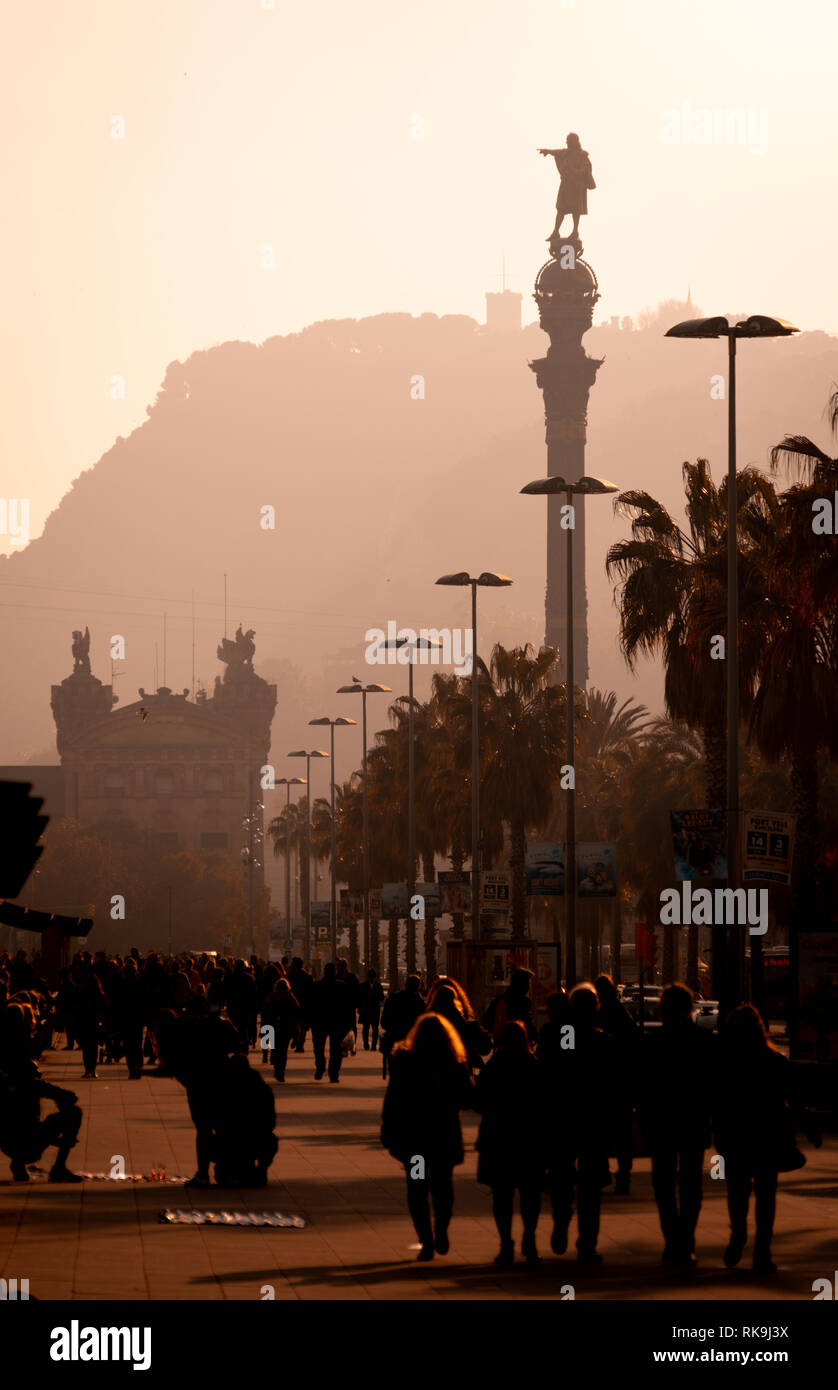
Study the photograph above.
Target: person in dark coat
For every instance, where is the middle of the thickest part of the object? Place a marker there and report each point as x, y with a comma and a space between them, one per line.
201, 1041
678, 1080
240, 998
756, 1114
513, 1005
264, 988
332, 1017
369, 1009
511, 1142
399, 1015
129, 1011
580, 1084
353, 986
243, 1116
281, 1011
614, 1020
452, 1003
420, 1123
88, 1017
302, 984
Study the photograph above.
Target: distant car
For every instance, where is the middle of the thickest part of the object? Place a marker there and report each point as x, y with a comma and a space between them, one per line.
706, 1014
651, 1005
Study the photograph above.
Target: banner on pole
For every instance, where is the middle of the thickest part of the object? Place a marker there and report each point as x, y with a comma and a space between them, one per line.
454, 891
545, 869
698, 842
596, 869
769, 846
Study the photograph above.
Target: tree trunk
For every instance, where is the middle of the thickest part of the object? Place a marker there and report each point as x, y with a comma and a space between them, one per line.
458, 929
715, 784
429, 876
517, 867
804, 784
617, 941
393, 955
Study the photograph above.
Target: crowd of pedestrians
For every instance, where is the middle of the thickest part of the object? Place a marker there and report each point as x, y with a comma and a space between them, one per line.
555, 1103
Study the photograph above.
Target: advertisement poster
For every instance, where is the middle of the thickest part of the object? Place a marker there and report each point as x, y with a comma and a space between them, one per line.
698, 842
494, 891
433, 898
547, 973
769, 846
545, 869
596, 869
818, 996
394, 900
455, 892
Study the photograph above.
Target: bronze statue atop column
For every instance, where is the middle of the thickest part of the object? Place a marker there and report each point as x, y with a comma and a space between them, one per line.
576, 177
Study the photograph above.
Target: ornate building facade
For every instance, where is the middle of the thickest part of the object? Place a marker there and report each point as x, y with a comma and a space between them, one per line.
183, 773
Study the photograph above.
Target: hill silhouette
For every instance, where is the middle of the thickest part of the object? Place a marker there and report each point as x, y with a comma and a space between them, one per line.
376, 494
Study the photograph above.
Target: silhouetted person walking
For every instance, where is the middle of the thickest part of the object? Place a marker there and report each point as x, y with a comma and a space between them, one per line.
129, 1016
420, 1123
302, 984
88, 1018
281, 1011
332, 1017
241, 1001
369, 1010
756, 1115
678, 1082
511, 1141
511, 1006
581, 1086
399, 1015
614, 1020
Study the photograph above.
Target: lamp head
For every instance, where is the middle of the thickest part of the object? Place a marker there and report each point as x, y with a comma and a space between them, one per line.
489, 580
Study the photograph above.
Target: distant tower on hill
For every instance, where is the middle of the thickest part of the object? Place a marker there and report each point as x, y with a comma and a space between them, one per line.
503, 310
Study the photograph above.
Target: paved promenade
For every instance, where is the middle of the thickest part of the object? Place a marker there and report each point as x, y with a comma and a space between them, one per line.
103, 1239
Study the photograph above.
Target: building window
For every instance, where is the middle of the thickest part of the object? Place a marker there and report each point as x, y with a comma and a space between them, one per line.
164, 784
214, 839
114, 784
213, 780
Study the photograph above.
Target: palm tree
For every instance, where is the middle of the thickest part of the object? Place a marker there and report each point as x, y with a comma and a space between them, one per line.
521, 743
293, 821
672, 598
610, 741
794, 705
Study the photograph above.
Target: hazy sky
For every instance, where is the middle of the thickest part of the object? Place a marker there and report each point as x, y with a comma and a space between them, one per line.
249, 126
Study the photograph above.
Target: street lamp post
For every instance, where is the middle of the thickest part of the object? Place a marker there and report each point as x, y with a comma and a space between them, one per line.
315, 753
731, 986
288, 783
364, 690
491, 581
411, 647
584, 487
333, 912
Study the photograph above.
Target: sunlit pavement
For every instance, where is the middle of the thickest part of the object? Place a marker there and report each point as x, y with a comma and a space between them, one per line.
104, 1240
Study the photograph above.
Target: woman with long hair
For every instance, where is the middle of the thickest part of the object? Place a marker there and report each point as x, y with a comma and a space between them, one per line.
755, 1121
448, 999
420, 1124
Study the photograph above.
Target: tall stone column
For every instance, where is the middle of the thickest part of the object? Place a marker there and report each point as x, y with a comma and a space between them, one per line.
566, 292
